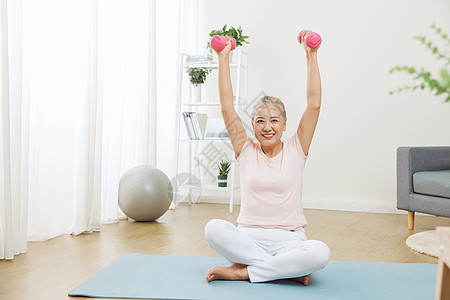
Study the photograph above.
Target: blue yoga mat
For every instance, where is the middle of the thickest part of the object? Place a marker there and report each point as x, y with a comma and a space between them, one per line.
140, 276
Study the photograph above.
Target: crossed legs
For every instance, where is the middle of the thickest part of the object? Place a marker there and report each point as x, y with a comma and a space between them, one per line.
259, 254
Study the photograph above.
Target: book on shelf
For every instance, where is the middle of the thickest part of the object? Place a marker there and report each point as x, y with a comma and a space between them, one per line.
195, 124
199, 58
202, 120
187, 122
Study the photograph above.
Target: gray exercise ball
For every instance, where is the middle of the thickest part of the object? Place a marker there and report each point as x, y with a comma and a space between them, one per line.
145, 193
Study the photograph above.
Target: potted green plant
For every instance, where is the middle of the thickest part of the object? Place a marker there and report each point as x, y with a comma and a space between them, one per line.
197, 76
423, 79
224, 168
234, 32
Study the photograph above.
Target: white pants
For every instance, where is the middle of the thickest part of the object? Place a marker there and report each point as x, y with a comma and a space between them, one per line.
270, 254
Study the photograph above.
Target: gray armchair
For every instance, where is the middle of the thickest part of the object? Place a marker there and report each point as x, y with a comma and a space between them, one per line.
423, 181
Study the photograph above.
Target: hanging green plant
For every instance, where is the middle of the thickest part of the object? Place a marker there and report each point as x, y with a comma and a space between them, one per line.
423, 78
197, 75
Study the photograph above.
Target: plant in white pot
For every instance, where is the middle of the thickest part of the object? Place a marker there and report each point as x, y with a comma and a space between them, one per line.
224, 168
197, 77
423, 78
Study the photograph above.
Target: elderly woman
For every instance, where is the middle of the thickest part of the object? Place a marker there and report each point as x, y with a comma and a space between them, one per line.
270, 242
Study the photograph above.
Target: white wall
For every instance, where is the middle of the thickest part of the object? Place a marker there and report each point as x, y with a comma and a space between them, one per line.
352, 161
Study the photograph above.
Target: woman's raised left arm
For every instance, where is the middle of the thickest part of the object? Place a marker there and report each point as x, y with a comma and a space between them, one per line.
310, 116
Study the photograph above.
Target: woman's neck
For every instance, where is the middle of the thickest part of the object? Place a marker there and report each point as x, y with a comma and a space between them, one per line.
272, 151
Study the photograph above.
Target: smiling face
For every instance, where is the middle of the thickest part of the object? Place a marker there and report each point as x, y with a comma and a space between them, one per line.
269, 124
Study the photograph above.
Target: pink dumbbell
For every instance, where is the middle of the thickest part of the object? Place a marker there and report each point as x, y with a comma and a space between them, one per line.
218, 42
312, 39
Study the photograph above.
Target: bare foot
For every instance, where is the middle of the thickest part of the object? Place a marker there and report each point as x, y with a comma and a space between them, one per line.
304, 279
234, 272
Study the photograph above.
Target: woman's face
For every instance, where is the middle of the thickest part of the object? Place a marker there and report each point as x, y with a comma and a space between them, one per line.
268, 125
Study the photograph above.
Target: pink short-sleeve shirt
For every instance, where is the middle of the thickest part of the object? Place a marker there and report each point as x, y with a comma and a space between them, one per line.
271, 188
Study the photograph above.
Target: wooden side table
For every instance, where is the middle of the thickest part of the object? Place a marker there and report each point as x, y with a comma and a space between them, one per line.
443, 275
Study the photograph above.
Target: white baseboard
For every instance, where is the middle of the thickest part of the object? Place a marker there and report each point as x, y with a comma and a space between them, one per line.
322, 204
352, 206
219, 200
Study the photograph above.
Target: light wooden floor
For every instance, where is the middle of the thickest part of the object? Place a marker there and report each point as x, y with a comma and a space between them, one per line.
50, 269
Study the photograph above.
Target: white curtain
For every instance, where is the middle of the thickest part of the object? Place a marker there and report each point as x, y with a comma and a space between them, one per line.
14, 134
93, 96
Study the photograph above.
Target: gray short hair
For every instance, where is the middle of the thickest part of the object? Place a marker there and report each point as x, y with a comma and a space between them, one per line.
264, 100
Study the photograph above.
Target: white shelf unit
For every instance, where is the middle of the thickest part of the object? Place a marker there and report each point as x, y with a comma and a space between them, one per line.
240, 97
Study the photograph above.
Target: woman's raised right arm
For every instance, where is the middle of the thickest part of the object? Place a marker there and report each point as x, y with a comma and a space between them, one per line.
233, 123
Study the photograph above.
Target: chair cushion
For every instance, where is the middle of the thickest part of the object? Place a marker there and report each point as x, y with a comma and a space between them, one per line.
433, 183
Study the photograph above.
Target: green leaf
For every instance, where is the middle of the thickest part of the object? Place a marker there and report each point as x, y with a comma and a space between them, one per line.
439, 92
235, 33
433, 84
424, 78
197, 75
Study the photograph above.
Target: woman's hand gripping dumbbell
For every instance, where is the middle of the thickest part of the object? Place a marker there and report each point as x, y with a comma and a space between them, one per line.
312, 39
218, 42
